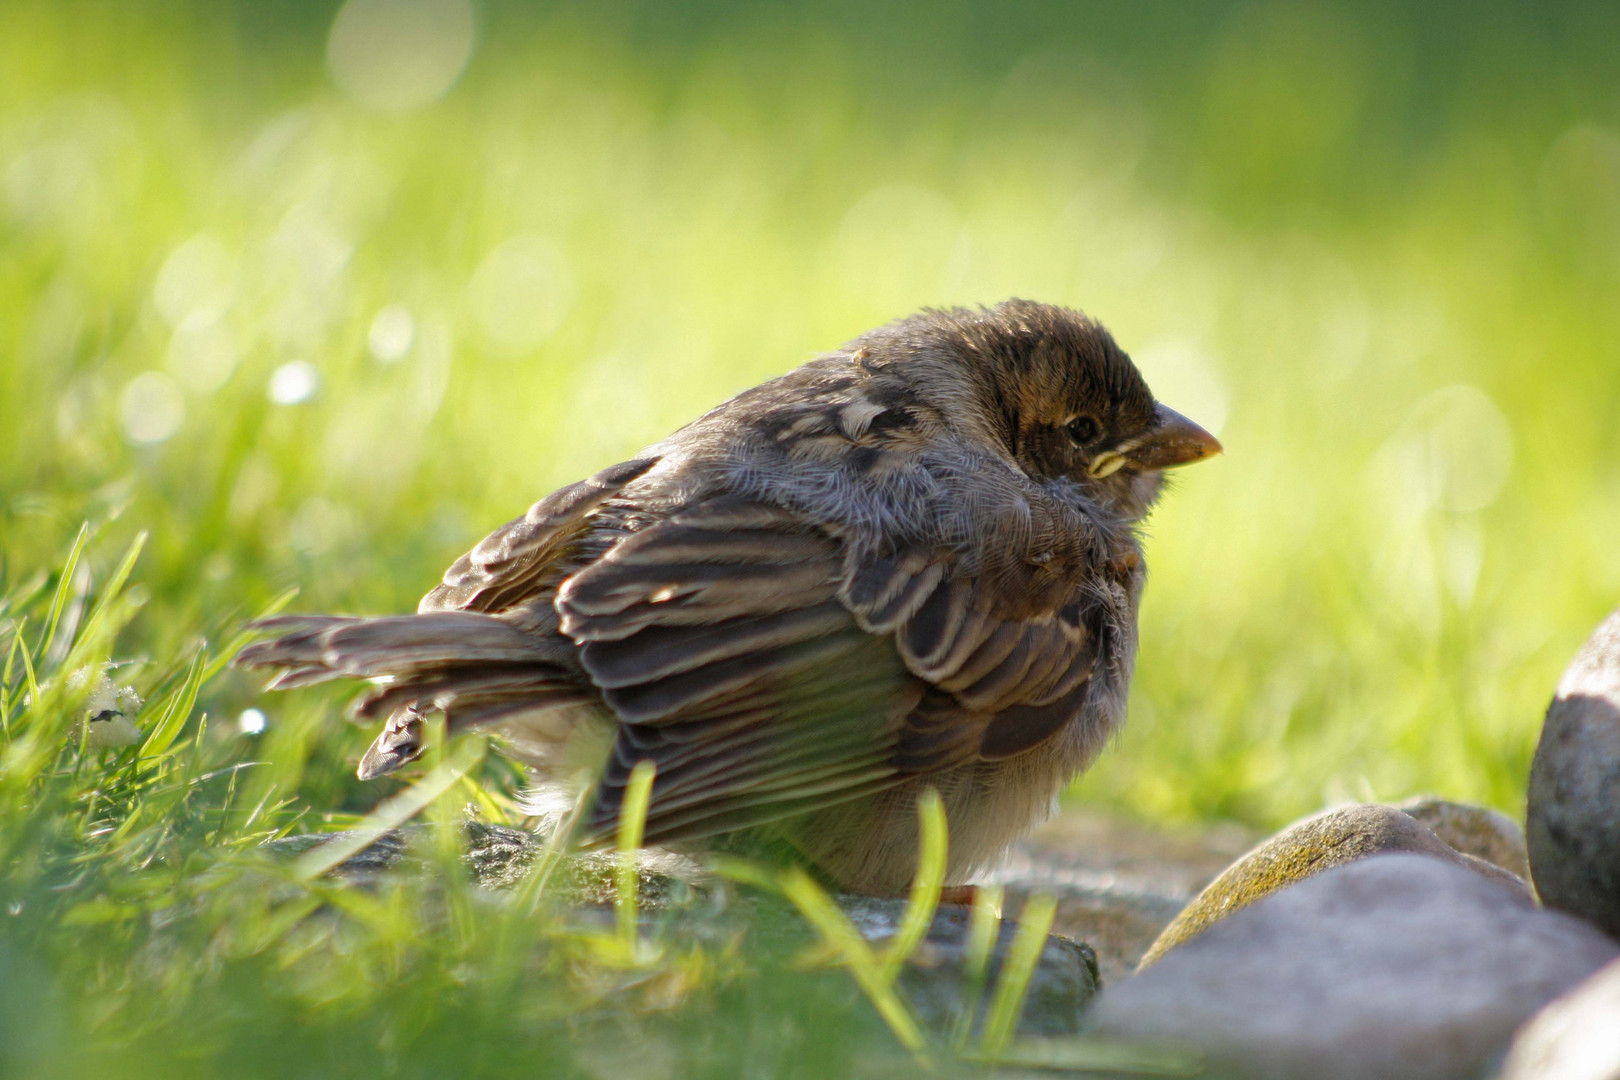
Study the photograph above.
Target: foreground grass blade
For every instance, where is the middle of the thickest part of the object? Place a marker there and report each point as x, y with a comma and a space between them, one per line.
558, 843
391, 813
632, 823
840, 934
925, 888
237, 643
984, 927
1034, 925
104, 619
176, 711
64, 585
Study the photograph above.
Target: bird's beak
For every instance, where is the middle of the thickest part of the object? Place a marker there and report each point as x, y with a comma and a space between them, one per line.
1171, 440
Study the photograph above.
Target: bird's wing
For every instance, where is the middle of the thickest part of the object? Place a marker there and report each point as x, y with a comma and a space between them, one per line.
718, 639
507, 565
765, 673
1007, 656
483, 645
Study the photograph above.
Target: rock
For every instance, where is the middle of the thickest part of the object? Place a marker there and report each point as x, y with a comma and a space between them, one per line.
1473, 830
1117, 883
1573, 819
1576, 1037
1396, 965
1309, 847
1062, 986
388, 851
497, 857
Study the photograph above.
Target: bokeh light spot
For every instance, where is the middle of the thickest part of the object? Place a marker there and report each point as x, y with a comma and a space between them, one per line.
1453, 452
197, 280
392, 334
399, 55
251, 722
294, 382
151, 408
203, 353
1579, 188
521, 293
320, 525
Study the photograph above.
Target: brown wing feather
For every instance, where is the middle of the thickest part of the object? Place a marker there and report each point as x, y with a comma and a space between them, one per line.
506, 565
762, 667
483, 646
758, 666
718, 639
1002, 685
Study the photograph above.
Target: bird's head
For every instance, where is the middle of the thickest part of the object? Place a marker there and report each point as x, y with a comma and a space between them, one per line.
1048, 388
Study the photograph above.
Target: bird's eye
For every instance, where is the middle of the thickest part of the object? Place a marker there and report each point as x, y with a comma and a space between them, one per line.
1082, 429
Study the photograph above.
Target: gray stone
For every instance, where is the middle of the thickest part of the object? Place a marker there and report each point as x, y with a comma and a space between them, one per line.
1395, 965
1576, 1037
1060, 989
1573, 820
1117, 883
1061, 986
1330, 839
497, 856
1473, 830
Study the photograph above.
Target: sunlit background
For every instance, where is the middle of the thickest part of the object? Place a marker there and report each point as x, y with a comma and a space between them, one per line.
319, 293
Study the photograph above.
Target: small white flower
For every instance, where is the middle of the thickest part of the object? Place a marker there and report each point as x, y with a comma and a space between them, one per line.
106, 724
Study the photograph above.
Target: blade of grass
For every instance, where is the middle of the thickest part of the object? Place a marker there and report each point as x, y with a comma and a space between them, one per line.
5, 677
242, 637
390, 813
1034, 925
925, 888
64, 583
834, 926
88, 633
176, 711
744, 872
984, 927
632, 823
557, 845
30, 679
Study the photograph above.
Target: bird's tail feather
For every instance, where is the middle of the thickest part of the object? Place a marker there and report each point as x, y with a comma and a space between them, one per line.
479, 669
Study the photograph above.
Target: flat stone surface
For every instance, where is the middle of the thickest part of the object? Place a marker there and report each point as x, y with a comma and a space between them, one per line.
1319, 843
1576, 1037
1395, 965
496, 856
1062, 986
1573, 819
1118, 883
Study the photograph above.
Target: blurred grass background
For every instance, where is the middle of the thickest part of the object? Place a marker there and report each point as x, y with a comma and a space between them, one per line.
315, 294
319, 297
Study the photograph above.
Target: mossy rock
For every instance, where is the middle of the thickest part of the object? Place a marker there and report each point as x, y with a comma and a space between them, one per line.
1327, 840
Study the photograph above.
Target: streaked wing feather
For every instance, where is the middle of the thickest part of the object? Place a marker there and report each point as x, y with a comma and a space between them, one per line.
507, 564
992, 644
739, 674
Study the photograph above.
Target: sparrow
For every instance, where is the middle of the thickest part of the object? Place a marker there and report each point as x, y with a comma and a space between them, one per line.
912, 562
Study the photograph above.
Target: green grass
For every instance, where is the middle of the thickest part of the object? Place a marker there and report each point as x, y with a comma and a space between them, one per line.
1379, 247
141, 911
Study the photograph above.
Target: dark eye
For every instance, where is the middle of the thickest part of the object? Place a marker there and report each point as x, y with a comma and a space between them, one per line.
1082, 429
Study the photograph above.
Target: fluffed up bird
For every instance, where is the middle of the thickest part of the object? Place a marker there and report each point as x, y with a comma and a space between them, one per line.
912, 562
